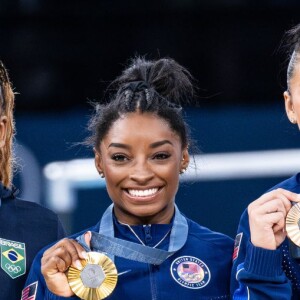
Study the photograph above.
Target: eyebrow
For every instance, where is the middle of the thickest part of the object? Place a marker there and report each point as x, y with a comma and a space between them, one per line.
160, 143
119, 145
153, 145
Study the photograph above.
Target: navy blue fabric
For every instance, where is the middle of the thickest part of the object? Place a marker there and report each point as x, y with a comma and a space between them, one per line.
29, 223
266, 274
147, 282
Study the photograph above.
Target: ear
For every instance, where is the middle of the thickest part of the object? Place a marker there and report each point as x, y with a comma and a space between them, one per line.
185, 159
289, 108
3, 130
98, 161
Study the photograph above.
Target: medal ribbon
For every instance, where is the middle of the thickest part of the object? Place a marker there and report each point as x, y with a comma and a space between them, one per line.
104, 241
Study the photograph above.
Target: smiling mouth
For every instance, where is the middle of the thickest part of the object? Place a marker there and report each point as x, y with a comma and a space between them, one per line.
142, 193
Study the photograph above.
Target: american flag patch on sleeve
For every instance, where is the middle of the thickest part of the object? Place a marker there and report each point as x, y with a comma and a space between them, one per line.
29, 292
237, 243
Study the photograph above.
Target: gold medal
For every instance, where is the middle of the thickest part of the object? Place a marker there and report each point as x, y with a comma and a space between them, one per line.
292, 224
96, 280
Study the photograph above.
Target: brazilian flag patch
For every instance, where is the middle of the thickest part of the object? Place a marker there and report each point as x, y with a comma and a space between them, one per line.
13, 258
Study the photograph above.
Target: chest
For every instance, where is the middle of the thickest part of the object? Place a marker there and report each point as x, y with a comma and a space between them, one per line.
190, 273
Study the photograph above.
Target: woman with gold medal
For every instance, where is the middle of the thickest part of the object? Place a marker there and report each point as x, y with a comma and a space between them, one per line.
268, 236
142, 247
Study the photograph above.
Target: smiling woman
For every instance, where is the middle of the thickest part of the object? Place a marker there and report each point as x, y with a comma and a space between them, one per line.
141, 169
140, 141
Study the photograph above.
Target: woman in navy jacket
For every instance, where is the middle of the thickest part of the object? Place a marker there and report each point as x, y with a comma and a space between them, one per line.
140, 142
25, 227
265, 263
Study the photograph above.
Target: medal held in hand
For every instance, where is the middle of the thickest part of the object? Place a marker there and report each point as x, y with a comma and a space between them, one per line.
96, 280
292, 224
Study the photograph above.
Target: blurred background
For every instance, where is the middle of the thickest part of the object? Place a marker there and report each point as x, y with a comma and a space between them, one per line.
62, 54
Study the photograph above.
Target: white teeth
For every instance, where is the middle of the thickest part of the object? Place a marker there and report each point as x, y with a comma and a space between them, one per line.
144, 193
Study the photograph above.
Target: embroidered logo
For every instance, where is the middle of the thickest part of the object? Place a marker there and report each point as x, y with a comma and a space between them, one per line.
190, 272
13, 258
237, 243
29, 292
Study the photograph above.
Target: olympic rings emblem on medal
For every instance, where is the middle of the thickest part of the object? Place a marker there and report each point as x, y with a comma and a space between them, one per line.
12, 268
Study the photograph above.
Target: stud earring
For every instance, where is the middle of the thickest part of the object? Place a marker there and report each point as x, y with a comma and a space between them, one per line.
101, 174
182, 171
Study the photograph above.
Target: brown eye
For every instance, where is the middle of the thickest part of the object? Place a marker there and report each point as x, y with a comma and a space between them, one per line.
162, 156
119, 157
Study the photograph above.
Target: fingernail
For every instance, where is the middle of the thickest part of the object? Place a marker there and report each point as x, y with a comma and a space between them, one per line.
78, 264
84, 254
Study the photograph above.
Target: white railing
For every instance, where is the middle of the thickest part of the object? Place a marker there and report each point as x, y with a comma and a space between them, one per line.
64, 178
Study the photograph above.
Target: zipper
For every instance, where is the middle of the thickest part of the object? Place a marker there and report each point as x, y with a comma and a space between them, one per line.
153, 285
147, 231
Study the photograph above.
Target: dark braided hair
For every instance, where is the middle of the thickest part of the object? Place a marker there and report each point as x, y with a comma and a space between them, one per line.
7, 100
293, 45
159, 87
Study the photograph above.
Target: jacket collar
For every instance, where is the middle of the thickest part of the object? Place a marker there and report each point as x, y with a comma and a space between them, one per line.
7, 193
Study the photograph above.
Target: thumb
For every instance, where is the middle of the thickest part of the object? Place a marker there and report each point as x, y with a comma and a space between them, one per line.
87, 238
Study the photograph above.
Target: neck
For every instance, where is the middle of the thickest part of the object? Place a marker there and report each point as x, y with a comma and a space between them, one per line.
125, 218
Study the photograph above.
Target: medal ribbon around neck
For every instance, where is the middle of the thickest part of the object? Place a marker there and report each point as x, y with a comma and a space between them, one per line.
105, 242
98, 278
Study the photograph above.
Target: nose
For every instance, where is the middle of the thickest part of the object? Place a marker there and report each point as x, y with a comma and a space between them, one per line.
141, 172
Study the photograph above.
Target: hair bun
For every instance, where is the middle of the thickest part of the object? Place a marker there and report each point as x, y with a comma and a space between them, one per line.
168, 78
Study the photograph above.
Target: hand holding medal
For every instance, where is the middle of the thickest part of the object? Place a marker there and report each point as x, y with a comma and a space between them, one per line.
293, 224
267, 218
56, 261
96, 280
69, 270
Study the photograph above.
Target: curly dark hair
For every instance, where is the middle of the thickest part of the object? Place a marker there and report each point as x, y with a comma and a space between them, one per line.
159, 87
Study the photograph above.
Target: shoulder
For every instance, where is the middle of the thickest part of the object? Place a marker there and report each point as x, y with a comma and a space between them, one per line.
28, 205
31, 223
244, 220
292, 184
28, 210
210, 237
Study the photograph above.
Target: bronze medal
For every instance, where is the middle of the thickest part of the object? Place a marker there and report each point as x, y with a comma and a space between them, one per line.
96, 280
292, 224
